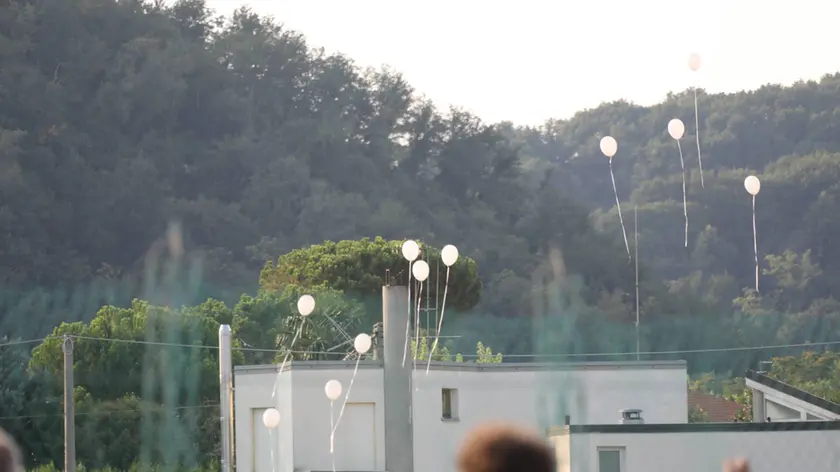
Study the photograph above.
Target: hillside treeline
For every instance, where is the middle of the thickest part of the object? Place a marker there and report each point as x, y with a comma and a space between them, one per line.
119, 118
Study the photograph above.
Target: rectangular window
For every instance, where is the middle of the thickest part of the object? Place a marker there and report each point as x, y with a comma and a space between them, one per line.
610, 459
449, 404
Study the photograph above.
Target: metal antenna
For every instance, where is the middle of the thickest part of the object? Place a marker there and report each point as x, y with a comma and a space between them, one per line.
428, 306
437, 291
636, 248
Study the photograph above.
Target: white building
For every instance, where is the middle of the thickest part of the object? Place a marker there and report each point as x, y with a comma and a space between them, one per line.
401, 420
777, 401
703, 447
447, 403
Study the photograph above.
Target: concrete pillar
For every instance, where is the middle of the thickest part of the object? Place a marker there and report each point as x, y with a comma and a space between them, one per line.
759, 415
399, 441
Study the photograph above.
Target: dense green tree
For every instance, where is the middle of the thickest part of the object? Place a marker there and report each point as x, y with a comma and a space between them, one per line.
270, 322
362, 267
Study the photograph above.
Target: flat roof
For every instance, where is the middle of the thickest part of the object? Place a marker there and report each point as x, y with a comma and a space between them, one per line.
792, 391
695, 428
469, 366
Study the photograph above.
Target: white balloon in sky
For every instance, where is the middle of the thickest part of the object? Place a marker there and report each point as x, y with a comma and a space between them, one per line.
609, 146
449, 254
753, 185
306, 305
694, 62
333, 389
362, 343
676, 128
420, 270
271, 418
410, 250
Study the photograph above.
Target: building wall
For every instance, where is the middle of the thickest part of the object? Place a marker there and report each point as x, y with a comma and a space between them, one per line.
533, 396
562, 452
589, 393
255, 446
360, 437
781, 407
777, 412
302, 441
767, 451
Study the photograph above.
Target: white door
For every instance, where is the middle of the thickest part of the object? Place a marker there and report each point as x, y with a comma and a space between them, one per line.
355, 438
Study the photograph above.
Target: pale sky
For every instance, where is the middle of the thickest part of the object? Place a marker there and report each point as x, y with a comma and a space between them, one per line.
529, 60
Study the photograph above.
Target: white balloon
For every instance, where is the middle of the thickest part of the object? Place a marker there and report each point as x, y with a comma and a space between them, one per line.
609, 146
449, 254
306, 305
694, 61
333, 389
753, 185
362, 343
271, 418
410, 250
676, 128
420, 270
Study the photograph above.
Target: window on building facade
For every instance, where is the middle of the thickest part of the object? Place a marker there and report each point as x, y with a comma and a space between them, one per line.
449, 404
610, 459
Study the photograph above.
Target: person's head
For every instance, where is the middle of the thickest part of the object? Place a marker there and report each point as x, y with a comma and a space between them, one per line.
736, 465
10, 458
502, 448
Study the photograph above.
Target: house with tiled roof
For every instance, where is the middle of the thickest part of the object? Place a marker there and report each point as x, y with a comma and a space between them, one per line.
716, 408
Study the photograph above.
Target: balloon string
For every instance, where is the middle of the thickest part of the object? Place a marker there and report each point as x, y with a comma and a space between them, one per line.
286, 357
620, 218
417, 327
332, 426
697, 136
440, 321
271, 449
755, 243
408, 317
346, 396
685, 204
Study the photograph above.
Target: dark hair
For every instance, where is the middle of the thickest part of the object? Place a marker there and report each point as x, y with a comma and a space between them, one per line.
10, 458
501, 448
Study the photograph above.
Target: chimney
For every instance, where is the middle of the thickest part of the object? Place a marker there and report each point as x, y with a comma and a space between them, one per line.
631, 416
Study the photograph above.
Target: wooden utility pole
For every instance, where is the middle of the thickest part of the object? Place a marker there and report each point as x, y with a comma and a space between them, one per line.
69, 407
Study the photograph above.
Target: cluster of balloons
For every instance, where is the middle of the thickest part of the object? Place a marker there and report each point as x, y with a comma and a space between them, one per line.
676, 129
333, 389
419, 269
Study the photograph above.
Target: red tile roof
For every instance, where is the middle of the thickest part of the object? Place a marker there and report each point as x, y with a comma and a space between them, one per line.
718, 409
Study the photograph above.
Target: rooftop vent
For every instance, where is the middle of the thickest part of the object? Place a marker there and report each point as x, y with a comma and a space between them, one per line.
631, 416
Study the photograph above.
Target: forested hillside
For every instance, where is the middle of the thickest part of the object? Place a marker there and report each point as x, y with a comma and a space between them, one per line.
118, 118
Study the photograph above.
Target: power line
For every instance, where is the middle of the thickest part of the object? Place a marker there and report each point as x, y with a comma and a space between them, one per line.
18, 343
594, 354
685, 351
